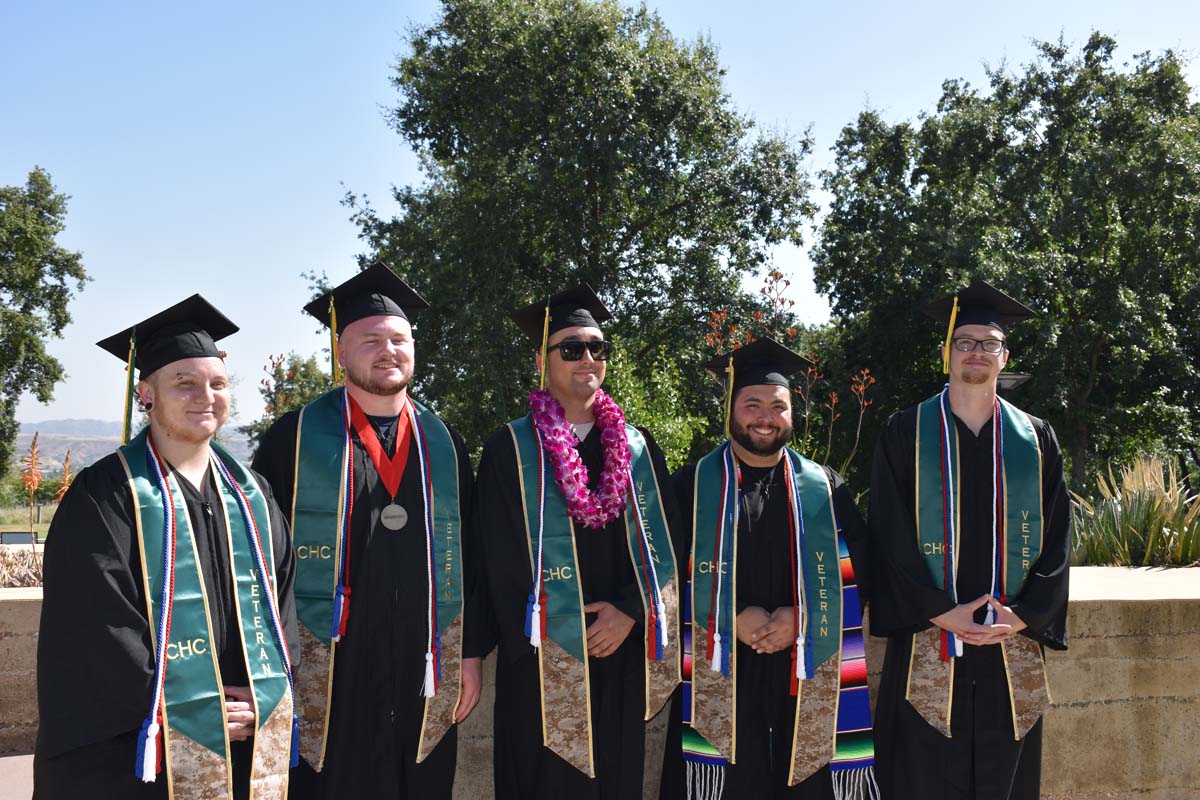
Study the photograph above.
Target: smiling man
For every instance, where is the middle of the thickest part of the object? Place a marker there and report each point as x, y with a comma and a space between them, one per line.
969, 525
776, 700
168, 629
576, 529
392, 622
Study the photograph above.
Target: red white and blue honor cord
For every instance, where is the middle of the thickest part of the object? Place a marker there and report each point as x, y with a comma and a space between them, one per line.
341, 597
802, 654
535, 606
149, 744
658, 612
433, 649
268, 590
952, 647
720, 646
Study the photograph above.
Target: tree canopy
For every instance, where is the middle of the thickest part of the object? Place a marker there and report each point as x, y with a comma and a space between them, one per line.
38, 278
1073, 184
567, 141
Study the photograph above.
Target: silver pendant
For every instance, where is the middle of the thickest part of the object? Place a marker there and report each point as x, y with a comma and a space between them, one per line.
393, 516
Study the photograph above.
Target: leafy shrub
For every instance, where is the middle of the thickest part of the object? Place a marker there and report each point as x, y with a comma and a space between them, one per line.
1144, 518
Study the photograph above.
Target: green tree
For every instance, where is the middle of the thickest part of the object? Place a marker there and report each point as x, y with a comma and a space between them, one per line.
38, 278
567, 141
291, 382
1075, 184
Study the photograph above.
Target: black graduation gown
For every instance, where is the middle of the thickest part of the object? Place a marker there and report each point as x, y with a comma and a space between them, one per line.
95, 666
766, 711
981, 759
377, 707
524, 768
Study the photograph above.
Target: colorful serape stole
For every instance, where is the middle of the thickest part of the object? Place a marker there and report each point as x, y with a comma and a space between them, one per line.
854, 745
705, 766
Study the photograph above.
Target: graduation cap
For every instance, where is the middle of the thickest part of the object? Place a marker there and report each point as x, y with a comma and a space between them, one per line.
763, 362
374, 292
574, 308
189, 329
977, 304
578, 307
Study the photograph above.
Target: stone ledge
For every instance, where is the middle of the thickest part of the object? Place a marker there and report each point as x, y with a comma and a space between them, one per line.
1123, 725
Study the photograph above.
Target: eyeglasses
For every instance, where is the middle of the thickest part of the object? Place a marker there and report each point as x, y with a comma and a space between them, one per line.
965, 344
572, 349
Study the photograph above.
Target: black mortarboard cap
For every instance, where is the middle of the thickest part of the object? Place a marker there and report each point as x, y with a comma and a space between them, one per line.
577, 307
979, 304
189, 329
374, 292
763, 361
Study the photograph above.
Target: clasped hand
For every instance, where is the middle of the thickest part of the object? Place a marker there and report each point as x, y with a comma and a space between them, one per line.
767, 632
960, 621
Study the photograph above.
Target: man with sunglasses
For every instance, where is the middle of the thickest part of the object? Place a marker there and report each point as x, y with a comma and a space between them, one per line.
575, 511
969, 520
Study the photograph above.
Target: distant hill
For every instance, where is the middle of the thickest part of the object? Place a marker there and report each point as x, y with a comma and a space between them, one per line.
91, 440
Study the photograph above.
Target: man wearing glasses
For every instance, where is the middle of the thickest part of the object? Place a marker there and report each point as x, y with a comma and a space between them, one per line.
575, 511
969, 521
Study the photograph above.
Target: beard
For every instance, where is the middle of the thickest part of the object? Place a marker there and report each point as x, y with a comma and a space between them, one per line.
366, 381
742, 435
976, 375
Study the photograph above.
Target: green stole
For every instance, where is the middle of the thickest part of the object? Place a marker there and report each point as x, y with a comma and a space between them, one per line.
1020, 524
562, 655
323, 451
715, 508
196, 741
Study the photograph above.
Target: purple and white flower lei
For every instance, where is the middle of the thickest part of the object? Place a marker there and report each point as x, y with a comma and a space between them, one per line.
593, 509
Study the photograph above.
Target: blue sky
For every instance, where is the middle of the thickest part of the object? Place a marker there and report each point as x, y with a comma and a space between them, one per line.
206, 146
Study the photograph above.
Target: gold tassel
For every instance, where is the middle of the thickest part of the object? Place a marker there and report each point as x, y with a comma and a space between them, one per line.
729, 396
127, 416
949, 336
335, 370
545, 339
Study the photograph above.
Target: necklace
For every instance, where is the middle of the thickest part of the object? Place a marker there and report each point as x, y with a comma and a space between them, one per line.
593, 509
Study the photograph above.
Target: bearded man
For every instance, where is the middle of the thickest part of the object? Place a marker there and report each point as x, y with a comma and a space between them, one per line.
774, 703
379, 491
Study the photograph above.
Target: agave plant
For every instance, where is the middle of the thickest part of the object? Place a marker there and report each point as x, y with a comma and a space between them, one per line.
1143, 518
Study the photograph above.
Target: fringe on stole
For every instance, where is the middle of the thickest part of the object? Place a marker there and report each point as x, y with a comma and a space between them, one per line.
705, 781
855, 784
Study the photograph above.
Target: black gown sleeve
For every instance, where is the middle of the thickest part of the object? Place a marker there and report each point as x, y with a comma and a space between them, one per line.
1042, 604
854, 531
500, 527
904, 597
629, 596
683, 483
95, 667
275, 459
479, 624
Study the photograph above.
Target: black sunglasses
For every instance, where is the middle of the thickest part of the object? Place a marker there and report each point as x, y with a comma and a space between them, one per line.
572, 349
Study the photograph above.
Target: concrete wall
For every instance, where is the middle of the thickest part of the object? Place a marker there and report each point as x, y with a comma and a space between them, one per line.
19, 613
1124, 725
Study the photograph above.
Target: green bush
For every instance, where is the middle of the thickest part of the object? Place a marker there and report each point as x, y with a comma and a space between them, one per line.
1144, 518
